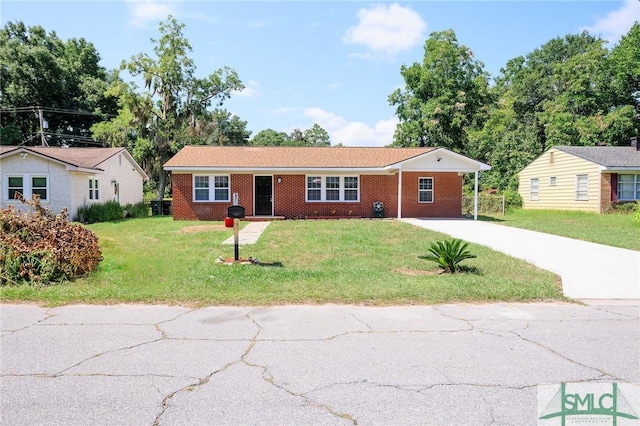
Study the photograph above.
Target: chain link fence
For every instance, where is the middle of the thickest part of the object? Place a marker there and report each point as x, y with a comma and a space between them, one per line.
487, 204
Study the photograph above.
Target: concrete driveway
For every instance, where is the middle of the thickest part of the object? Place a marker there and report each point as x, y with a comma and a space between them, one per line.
588, 270
293, 365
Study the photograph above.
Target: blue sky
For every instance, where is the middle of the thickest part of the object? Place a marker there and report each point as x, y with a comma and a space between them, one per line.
334, 62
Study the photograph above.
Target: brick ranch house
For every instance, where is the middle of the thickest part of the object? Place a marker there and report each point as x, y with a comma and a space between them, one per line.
299, 182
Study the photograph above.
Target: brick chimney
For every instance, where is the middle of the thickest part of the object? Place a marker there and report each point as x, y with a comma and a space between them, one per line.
635, 143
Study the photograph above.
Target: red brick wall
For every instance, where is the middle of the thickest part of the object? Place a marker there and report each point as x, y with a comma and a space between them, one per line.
605, 192
447, 195
289, 197
185, 209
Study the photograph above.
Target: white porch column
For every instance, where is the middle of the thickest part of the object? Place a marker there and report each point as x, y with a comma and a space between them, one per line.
475, 197
400, 192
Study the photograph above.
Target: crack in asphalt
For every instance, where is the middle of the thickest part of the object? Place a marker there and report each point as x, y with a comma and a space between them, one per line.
137, 345
269, 378
198, 382
204, 380
47, 316
555, 352
539, 344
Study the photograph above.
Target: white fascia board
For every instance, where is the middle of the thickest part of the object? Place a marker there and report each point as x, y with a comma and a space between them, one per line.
473, 165
279, 170
71, 168
619, 169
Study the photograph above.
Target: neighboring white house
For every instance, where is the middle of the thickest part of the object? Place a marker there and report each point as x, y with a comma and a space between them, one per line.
69, 177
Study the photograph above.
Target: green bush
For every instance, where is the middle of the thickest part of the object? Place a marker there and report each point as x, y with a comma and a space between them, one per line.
100, 212
448, 254
136, 210
512, 199
41, 247
636, 214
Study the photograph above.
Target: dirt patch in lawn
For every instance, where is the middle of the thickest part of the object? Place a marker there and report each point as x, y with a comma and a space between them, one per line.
202, 228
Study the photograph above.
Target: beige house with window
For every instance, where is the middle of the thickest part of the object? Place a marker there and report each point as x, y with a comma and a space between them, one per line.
69, 177
588, 178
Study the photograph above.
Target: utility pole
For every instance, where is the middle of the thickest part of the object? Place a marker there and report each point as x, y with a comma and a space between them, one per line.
43, 125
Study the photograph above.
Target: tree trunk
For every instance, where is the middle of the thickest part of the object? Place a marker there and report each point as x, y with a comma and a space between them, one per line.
162, 183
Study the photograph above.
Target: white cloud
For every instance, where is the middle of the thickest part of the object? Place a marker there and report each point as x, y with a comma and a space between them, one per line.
353, 133
387, 29
250, 90
617, 22
144, 12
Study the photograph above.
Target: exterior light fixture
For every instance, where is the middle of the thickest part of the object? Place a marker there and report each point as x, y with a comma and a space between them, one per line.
279, 179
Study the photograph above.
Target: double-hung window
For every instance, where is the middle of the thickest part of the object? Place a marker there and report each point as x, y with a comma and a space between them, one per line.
534, 189
582, 187
425, 190
15, 184
211, 188
94, 189
333, 188
628, 187
28, 186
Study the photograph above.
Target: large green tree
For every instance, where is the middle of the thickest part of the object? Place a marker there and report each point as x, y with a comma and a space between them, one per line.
174, 107
444, 95
316, 136
570, 91
270, 137
60, 82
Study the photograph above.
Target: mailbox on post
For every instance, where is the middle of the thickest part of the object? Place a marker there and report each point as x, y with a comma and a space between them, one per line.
235, 212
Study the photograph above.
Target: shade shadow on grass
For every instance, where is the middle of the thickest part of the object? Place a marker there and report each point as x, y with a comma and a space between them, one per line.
270, 264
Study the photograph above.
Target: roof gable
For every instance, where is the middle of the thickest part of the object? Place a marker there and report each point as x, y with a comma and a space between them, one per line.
82, 158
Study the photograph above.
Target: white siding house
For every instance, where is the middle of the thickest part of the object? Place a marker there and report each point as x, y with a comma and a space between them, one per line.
69, 177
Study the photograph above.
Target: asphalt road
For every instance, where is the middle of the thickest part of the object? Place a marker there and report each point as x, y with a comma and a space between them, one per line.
292, 365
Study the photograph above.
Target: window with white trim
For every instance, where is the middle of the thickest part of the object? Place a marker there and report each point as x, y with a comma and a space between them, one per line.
28, 186
425, 190
14, 184
333, 188
582, 187
553, 181
628, 187
94, 189
211, 188
534, 189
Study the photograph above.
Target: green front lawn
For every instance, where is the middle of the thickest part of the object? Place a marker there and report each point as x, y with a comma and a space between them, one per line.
617, 230
158, 260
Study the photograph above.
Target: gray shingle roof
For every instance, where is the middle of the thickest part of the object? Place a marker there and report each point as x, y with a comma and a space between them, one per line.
608, 156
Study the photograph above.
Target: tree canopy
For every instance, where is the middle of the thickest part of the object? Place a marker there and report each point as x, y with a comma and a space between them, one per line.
443, 96
173, 109
313, 136
570, 91
44, 80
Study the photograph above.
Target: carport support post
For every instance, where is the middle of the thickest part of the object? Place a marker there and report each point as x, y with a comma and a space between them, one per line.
236, 248
475, 197
400, 192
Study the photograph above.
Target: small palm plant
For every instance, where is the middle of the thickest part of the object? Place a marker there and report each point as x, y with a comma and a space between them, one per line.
448, 254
